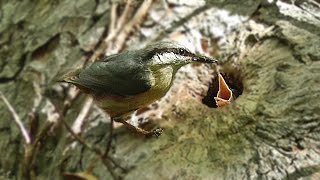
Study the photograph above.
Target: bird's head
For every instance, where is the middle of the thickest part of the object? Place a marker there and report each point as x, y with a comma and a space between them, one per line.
168, 53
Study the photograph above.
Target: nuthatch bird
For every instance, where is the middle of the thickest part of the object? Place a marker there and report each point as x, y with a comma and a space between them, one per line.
130, 80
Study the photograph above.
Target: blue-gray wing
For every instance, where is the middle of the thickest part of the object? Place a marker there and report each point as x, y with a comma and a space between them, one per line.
117, 75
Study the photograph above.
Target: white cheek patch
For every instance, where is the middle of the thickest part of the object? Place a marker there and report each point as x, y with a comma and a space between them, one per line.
168, 58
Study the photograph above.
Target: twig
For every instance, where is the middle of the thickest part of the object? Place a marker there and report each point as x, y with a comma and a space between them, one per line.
76, 127
109, 167
105, 155
38, 99
116, 28
74, 94
113, 17
91, 148
109, 139
116, 164
181, 22
17, 119
127, 11
112, 32
79, 139
135, 22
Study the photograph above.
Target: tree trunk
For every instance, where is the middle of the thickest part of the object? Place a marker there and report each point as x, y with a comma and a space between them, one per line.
271, 131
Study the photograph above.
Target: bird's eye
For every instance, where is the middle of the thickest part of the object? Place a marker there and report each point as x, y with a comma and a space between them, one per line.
183, 51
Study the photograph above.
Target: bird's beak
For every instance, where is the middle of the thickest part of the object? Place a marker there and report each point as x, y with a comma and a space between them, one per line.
224, 95
203, 59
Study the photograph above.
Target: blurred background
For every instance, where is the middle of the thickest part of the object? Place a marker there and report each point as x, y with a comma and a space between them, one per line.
268, 50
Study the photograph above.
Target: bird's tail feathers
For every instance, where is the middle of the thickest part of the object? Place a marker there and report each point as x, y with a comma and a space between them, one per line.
71, 77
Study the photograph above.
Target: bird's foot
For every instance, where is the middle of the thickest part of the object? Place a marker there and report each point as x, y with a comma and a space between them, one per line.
157, 132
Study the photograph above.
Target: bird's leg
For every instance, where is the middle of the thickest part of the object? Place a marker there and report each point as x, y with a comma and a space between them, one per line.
157, 132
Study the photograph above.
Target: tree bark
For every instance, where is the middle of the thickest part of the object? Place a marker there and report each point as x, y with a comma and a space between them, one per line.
271, 131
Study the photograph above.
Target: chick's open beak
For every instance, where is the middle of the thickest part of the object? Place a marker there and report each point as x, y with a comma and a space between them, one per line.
224, 95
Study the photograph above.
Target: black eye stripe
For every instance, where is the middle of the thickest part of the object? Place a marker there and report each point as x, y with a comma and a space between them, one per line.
179, 51
184, 52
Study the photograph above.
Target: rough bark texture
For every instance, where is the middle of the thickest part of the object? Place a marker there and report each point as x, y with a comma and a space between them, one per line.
272, 131
39, 40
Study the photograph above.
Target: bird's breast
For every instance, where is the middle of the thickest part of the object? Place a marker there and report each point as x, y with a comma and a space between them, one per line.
161, 80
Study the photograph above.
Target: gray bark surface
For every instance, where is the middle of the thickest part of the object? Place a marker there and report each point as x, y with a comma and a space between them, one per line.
272, 131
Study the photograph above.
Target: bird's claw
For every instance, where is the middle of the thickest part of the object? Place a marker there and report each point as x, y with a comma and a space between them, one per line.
157, 132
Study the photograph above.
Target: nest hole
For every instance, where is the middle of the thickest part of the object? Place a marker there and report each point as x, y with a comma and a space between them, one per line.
234, 82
